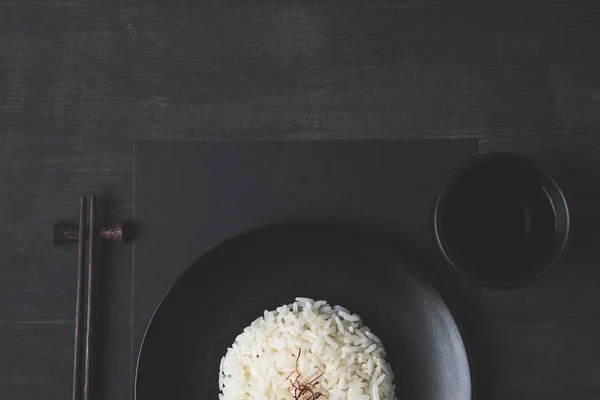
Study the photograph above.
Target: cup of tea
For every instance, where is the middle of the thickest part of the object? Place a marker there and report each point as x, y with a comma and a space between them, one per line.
501, 220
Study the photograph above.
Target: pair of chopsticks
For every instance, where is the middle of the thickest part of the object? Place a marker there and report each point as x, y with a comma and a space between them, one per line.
82, 359
66, 233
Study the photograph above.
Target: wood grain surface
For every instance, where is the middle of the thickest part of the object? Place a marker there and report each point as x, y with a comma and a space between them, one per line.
81, 80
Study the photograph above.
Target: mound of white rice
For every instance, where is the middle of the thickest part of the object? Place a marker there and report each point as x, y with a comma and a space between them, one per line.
306, 350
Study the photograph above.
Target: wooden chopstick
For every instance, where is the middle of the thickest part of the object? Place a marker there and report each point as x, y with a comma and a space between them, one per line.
89, 321
76, 395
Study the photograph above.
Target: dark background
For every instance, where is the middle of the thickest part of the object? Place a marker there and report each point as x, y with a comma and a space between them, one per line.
81, 80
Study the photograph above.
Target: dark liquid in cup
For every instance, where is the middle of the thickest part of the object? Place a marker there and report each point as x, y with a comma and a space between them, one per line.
498, 222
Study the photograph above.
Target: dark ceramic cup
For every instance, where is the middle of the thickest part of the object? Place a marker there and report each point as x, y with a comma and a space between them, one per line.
501, 220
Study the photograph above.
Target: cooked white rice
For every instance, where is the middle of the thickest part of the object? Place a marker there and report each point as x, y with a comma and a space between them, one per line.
306, 345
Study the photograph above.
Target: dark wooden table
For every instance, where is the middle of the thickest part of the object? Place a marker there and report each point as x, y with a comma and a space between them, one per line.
81, 80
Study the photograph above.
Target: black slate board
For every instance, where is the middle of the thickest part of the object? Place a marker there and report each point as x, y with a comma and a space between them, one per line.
190, 197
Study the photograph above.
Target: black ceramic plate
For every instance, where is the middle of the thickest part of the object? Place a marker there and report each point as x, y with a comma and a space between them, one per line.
233, 284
